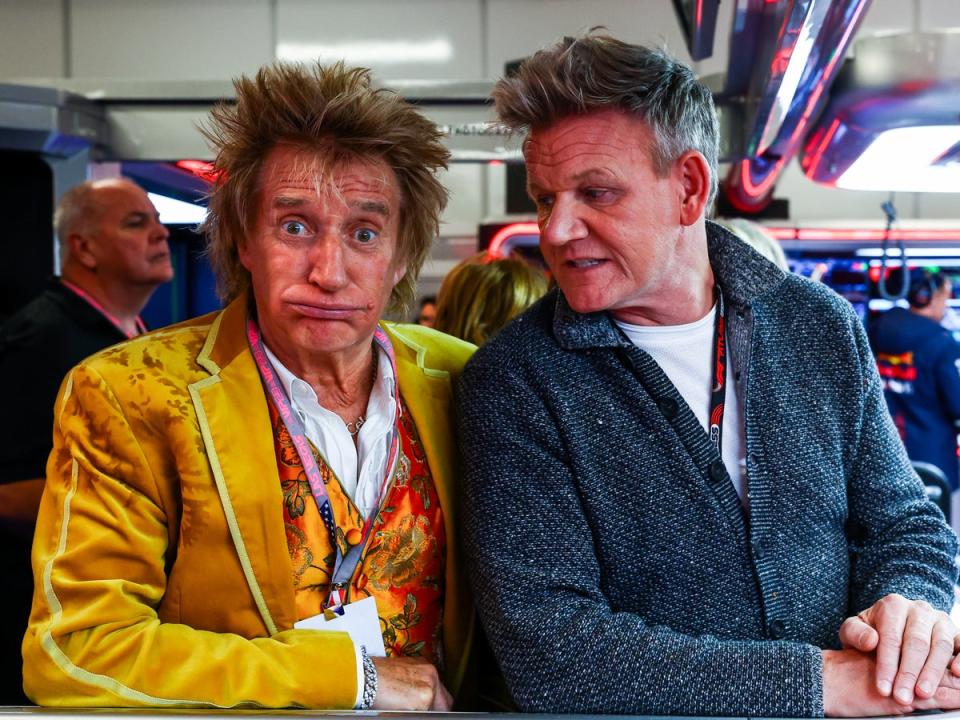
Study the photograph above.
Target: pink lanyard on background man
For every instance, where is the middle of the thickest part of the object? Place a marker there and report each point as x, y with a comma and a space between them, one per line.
344, 565
85, 296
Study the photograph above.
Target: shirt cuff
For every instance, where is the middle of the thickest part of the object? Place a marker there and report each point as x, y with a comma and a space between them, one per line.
360, 678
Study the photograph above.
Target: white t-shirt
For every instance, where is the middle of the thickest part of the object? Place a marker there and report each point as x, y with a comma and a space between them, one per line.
685, 354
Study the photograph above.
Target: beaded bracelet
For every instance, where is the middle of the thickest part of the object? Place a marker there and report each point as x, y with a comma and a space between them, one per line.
369, 680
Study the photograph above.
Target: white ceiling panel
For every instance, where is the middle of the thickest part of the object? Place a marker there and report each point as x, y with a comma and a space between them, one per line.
411, 40
170, 40
31, 42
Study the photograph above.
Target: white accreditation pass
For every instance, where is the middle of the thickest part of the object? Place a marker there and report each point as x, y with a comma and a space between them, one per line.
359, 619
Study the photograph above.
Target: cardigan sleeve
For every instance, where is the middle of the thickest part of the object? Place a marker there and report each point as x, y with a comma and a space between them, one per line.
899, 541
537, 585
100, 562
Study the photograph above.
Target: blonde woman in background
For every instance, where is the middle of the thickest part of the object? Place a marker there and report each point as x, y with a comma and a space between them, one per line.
757, 237
481, 295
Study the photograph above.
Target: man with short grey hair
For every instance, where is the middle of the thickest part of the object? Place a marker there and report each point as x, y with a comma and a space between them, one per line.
114, 254
684, 494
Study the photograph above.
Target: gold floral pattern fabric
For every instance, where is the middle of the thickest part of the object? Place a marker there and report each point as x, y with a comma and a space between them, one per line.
403, 563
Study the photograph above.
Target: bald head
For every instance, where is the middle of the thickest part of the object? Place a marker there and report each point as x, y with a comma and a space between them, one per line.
111, 236
81, 209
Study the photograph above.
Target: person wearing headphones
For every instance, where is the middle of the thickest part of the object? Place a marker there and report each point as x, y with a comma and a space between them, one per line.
919, 363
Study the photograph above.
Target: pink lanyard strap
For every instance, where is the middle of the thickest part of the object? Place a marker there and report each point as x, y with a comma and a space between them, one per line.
85, 296
344, 566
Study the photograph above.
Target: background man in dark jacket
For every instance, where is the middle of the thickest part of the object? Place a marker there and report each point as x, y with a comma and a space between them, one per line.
681, 474
919, 363
113, 254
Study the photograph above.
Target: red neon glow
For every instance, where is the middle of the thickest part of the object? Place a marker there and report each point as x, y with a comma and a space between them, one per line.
495, 250
817, 155
861, 234
760, 189
699, 14
201, 168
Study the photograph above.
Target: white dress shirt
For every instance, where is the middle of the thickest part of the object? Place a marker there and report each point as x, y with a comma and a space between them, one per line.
361, 468
328, 433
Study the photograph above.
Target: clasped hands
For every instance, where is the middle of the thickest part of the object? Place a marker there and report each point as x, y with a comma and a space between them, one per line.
898, 656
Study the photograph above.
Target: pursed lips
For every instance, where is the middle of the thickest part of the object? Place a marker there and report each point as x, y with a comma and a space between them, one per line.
325, 312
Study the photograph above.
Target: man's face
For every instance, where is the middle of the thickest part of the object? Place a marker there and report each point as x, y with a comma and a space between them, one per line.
940, 299
428, 314
322, 254
608, 223
128, 241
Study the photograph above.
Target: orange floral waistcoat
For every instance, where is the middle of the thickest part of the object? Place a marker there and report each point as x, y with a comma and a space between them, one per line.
402, 565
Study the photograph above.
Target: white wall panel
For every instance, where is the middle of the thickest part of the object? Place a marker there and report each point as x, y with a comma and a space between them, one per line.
939, 14
31, 38
410, 40
170, 40
889, 16
467, 206
520, 27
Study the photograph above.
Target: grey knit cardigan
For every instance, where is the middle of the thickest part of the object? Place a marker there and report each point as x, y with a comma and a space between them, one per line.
613, 566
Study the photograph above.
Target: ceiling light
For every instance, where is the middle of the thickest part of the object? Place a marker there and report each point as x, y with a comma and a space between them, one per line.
379, 52
177, 212
905, 160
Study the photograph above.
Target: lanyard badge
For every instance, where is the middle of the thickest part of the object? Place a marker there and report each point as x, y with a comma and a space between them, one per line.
345, 564
718, 391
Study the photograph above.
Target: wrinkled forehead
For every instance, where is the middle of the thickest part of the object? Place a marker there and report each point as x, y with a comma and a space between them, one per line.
599, 135
326, 174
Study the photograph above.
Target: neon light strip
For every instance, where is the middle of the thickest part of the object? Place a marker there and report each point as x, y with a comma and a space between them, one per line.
877, 235
760, 189
505, 233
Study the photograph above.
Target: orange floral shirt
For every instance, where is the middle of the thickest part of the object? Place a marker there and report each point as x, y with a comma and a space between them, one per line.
402, 565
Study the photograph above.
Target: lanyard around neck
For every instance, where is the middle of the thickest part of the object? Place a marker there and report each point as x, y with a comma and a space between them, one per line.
344, 565
114, 320
718, 390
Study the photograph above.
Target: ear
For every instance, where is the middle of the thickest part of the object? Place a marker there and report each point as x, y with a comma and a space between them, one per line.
243, 252
83, 250
694, 175
398, 273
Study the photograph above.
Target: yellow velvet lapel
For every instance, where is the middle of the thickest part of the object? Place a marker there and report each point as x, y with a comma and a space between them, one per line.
428, 396
234, 421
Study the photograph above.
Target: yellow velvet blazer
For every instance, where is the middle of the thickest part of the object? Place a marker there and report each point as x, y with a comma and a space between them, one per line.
160, 558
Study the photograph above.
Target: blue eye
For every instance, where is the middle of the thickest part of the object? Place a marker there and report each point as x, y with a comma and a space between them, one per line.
294, 227
365, 235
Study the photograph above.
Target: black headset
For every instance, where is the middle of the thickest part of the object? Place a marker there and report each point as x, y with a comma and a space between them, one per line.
923, 284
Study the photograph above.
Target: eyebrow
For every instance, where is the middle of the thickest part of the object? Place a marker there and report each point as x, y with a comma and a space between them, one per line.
287, 202
370, 206
588, 174
593, 173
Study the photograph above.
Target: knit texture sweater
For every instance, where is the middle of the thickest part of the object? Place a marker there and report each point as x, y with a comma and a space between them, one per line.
613, 566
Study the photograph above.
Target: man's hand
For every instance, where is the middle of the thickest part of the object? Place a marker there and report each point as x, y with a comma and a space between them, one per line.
849, 690
913, 642
409, 684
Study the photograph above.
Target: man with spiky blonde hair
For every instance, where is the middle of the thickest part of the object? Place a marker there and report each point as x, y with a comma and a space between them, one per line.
257, 507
